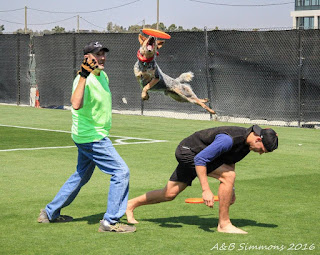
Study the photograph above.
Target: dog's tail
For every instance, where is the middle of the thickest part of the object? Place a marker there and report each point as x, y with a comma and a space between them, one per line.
185, 77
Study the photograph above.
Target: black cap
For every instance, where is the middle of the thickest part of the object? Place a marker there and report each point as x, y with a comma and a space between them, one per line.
269, 137
94, 47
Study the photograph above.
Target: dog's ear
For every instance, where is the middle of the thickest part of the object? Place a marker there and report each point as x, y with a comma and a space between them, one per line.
160, 43
142, 39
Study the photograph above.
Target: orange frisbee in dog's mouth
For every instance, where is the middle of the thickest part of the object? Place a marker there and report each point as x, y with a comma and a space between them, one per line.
156, 33
193, 200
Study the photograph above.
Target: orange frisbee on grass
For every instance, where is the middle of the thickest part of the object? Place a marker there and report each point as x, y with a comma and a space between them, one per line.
193, 200
156, 33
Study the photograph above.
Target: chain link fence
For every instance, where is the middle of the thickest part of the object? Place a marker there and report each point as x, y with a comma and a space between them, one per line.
266, 77
14, 69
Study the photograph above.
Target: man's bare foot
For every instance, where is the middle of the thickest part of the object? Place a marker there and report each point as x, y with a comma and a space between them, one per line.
231, 229
130, 216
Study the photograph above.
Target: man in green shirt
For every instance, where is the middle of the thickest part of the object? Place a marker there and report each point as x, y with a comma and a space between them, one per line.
91, 122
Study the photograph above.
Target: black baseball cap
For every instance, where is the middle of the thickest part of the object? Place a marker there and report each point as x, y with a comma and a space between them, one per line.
94, 47
269, 137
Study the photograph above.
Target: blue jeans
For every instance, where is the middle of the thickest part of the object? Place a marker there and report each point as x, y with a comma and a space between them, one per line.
103, 155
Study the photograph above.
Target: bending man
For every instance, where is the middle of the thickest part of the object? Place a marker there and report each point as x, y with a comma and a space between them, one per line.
211, 152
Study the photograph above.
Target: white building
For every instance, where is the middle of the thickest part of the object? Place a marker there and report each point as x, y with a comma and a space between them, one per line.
306, 14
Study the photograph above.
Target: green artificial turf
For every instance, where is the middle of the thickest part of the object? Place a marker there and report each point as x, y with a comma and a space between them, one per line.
277, 193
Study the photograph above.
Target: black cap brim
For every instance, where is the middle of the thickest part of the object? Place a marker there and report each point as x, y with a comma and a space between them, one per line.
256, 129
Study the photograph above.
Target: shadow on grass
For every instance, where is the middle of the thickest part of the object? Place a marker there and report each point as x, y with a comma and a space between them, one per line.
92, 219
206, 224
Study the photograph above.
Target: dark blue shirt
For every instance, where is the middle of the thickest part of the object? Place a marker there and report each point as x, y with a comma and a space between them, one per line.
221, 144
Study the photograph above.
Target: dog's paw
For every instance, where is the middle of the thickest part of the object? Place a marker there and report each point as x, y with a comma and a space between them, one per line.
144, 95
204, 100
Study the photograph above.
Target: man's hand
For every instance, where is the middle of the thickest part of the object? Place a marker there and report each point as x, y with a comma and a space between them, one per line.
208, 198
87, 67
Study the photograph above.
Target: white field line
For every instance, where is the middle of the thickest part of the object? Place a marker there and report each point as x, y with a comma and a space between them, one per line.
39, 148
120, 141
41, 129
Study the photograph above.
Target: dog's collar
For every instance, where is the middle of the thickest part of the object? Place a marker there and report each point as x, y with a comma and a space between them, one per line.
143, 58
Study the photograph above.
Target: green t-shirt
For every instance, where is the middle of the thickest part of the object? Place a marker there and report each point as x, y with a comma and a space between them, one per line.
92, 122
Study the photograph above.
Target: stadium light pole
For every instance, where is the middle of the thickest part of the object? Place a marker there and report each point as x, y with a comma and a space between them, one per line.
25, 19
157, 14
78, 24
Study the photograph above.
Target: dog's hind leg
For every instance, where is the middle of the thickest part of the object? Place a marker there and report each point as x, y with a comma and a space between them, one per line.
187, 95
175, 96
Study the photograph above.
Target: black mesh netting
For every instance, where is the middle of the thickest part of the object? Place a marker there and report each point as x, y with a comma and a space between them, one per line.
14, 68
58, 57
265, 75
255, 74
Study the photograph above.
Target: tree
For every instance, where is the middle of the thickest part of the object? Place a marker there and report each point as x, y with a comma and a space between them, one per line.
21, 31
114, 28
46, 32
37, 33
172, 28
195, 29
118, 29
58, 29
134, 29
109, 27
1, 28
180, 28
162, 27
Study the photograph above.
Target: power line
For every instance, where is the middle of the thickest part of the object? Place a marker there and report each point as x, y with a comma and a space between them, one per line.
12, 22
53, 21
86, 12
92, 23
142, 22
19, 23
241, 5
106, 9
13, 10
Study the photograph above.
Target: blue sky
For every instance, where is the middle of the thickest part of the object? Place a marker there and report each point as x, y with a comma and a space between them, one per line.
186, 13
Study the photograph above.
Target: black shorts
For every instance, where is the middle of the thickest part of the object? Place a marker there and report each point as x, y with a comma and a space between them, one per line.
186, 171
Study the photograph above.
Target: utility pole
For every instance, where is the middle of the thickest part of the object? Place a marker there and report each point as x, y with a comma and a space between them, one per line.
157, 14
78, 23
25, 20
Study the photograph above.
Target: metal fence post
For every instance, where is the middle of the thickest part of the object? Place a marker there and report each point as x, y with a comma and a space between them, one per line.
299, 76
74, 49
142, 106
18, 70
207, 68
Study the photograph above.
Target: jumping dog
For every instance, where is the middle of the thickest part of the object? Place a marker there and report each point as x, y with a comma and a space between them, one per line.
150, 76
